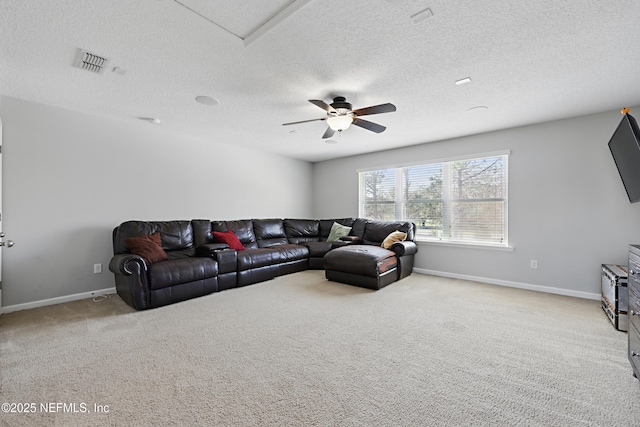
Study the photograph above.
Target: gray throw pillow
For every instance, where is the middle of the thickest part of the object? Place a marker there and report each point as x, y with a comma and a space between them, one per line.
338, 231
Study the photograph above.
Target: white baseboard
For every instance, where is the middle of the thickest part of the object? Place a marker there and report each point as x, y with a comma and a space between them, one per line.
507, 283
57, 300
510, 284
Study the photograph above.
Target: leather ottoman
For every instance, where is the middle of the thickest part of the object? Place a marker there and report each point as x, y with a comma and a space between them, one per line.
366, 266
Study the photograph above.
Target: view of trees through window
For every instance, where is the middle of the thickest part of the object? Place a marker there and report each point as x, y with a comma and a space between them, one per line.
464, 200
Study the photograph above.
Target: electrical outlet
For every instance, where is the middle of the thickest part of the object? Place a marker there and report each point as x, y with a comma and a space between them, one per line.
534, 263
97, 268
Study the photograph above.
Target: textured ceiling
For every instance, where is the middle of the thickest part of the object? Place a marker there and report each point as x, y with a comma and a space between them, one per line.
240, 18
529, 61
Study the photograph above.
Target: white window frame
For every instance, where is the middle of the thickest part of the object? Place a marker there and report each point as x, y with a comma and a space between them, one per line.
399, 202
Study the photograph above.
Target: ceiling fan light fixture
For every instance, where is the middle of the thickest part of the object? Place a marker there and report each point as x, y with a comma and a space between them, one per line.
340, 123
340, 116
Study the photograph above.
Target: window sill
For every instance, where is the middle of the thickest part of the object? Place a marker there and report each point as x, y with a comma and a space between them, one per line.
465, 245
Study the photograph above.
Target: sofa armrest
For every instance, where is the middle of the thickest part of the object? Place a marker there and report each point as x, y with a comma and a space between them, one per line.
227, 258
404, 248
131, 275
339, 244
209, 249
127, 264
354, 240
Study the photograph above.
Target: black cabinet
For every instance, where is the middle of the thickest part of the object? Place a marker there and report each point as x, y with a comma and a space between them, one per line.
633, 286
615, 295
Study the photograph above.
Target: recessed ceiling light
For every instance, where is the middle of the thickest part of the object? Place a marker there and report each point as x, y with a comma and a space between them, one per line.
207, 100
463, 81
151, 120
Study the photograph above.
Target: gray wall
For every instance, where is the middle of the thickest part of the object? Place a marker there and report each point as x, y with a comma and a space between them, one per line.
69, 178
567, 205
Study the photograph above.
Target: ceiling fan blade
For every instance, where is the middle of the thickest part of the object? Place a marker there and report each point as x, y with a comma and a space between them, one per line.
328, 133
303, 121
326, 107
376, 109
373, 127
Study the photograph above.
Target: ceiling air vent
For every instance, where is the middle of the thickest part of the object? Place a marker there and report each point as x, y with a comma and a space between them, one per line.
90, 61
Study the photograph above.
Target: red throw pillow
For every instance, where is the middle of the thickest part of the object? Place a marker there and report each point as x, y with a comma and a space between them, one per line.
148, 247
230, 238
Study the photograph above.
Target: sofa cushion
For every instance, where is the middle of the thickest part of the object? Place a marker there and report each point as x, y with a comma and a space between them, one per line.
255, 258
242, 228
358, 227
230, 238
376, 231
261, 257
302, 230
363, 260
269, 232
318, 249
148, 247
175, 235
185, 253
201, 232
180, 271
289, 252
326, 224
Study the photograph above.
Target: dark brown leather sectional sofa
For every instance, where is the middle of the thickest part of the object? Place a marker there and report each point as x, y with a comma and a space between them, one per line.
199, 265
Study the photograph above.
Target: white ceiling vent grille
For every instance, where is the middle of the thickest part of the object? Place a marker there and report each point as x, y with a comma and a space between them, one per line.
90, 61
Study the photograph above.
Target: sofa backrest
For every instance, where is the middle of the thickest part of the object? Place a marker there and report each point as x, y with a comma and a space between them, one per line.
175, 235
201, 232
255, 233
269, 232
325, 226
357, 228
243, 228
376, 231
302, 230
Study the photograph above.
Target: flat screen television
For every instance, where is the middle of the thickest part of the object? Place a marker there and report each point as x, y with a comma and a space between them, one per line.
625, 148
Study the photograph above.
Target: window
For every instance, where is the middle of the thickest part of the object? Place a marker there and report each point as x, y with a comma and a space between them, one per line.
455, 201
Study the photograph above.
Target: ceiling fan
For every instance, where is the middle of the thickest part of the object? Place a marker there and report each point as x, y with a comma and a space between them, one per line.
340, 116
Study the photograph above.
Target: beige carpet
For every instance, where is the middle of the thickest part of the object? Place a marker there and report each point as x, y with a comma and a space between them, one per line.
301, 351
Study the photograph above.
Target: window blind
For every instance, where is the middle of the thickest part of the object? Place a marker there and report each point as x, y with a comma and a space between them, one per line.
456, 201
